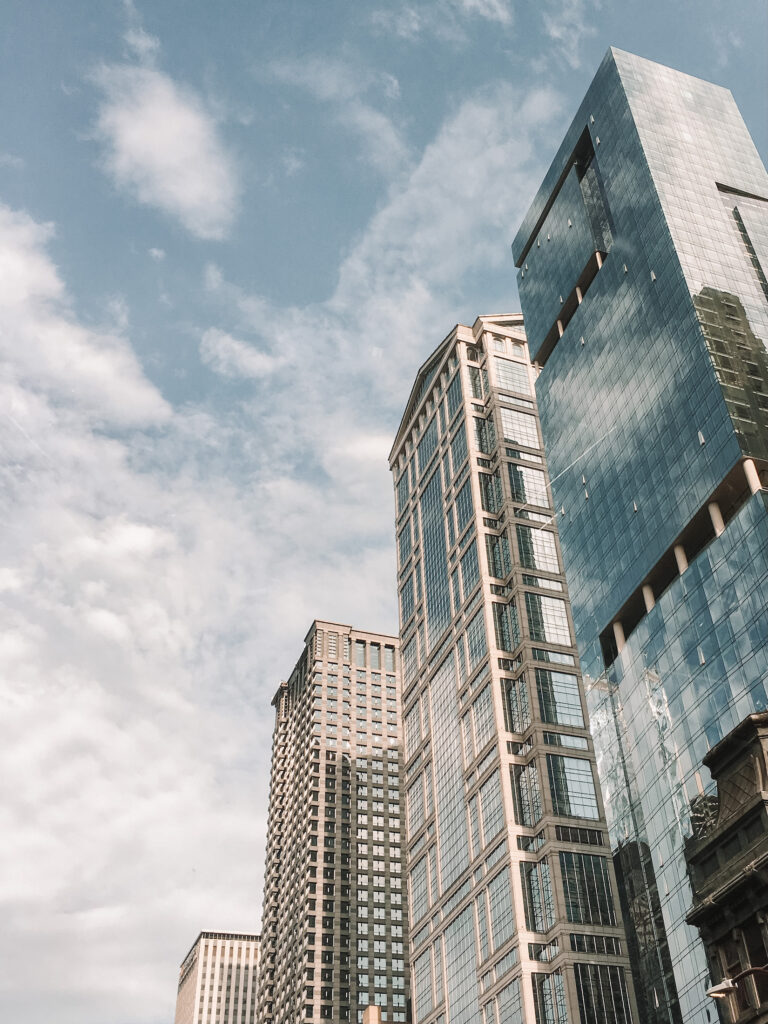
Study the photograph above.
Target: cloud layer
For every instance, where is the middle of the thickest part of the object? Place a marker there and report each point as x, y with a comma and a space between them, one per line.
163, 148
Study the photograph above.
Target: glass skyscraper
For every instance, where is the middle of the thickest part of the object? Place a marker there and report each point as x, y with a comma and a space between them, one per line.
642, 274
514, 916
334, 928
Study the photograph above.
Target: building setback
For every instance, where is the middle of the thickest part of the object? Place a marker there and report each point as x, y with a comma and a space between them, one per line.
643, 266
217, 980
512, 898
334, 923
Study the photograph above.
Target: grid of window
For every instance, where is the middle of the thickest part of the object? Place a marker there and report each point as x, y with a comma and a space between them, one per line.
538, 898
482, 715
511, 376
549, 998
427, 445
537, 549
547, 619
453, 395
402, 492
491, 808
559, 698
435, 559
497, 549
605, 945
406, 599
602, 993
461, 977
485, 435
419, 897
506, 626
464, 506
519, 427
459, 447
572, 787
527, 485
491, 496
517, 712
502, 913
404, 542
587, 888
470, 570
422, 983
476, 641
526, 794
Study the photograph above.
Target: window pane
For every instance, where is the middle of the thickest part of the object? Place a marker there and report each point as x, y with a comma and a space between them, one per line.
572, 786
559, 700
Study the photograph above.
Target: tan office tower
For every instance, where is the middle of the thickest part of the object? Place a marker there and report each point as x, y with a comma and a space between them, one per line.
514, 913
217, 980
334, 926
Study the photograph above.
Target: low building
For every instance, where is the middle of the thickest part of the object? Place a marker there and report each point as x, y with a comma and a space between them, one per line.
217, 980
728, 866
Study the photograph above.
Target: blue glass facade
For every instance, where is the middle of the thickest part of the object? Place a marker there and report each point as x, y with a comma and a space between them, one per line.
642, 273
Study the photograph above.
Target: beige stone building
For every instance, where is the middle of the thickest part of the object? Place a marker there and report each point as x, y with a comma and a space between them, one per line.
514, 909
334, 927
217, 980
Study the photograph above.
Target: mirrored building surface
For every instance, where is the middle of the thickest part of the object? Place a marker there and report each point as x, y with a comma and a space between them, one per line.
643, 265
514, 915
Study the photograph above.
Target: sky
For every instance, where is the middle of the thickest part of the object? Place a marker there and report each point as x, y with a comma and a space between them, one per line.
230, 233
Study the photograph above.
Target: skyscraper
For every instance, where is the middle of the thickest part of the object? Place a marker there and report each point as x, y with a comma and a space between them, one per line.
217, 980
334, 930
642, 275
512, 899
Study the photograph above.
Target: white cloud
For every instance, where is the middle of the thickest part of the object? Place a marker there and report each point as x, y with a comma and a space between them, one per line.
162, 147
161, 566
567, 24
347, 90
233, 358
445, 19
158, 255
11, 160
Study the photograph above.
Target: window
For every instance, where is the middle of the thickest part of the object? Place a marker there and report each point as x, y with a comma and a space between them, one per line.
528, 486
464, 507
360, 653
426, 446
519, 427
511, 376
490, 492
470, 571
404, 542
526, 794
485, 435
497, 549
559, 698
537, 895
587, 889
517, 713
454, 395
476, 641
547, 619
572, 787
602, 994
506, 626
459, 447
549, 998
537, 549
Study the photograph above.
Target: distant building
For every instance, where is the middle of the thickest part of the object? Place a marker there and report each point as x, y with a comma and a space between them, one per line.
512, 897
217, 980
728, 865
643, 278
334, 927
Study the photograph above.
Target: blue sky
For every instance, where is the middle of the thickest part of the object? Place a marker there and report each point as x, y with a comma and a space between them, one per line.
229, 234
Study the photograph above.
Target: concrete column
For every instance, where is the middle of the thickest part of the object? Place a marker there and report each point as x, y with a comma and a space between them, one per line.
717, 517
680, 558
618, 635
560, 328
599, 260
579, 296
372, 1015
648, 597
750, 472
